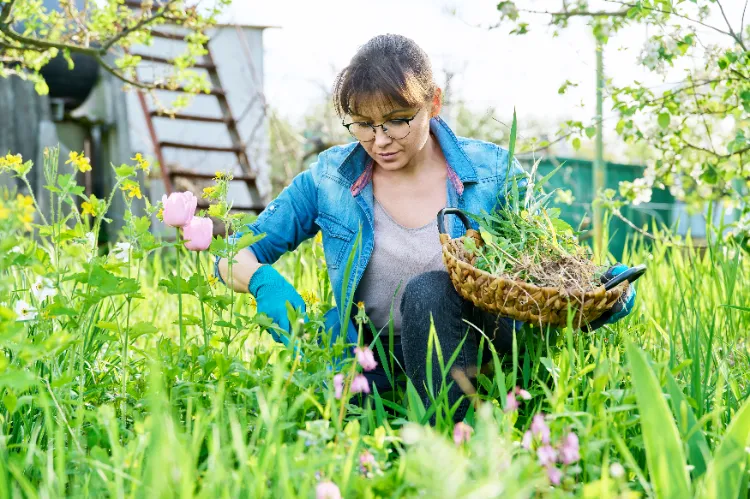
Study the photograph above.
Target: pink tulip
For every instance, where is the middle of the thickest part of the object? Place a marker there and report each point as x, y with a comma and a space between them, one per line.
327, 490
365, 358
338, 385
198, 233
511, 404
461, 433
179, 208
360, 384
569, 452
554, 475
540, 429
547, 455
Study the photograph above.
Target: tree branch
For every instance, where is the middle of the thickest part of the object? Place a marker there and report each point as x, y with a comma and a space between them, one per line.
143, 22
109, 69
578, 13
713, 153
5, 14
672, 13
733, 34
742, 21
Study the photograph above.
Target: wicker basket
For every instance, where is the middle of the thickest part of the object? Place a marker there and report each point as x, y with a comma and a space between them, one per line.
518, 300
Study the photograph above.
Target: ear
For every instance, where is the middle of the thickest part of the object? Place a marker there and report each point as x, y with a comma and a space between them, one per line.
437, 102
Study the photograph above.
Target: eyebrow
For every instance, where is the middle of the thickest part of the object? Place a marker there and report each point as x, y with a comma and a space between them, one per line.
384, 116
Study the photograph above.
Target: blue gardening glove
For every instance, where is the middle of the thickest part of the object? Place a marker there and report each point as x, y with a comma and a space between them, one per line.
272, 292
622, 307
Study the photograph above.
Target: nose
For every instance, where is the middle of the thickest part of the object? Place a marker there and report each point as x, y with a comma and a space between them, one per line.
381, 138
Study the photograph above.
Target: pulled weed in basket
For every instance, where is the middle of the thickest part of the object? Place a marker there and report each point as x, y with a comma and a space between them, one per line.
526, 240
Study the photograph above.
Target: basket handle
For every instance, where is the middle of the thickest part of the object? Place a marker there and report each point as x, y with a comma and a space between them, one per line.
451, 211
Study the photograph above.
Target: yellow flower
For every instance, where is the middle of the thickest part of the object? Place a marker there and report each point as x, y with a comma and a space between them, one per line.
160, 214
12, 161
219, 175
209, 191
80, 162
143, 164
24, 202
360, 304
217, 210
132, 189
4, 213
310, 297
27, 219
212, 279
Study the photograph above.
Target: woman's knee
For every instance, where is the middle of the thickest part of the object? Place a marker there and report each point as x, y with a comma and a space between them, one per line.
430, 293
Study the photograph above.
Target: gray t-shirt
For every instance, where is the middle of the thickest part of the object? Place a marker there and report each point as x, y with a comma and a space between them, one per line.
400, 253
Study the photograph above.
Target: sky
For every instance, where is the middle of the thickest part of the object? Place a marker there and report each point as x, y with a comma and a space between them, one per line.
494, 69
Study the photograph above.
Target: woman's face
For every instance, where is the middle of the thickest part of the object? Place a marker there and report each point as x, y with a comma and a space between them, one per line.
394, 154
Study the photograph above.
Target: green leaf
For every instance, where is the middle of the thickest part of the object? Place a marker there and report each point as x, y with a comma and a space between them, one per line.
664, 120
725, 472
698, 450
664, 454
10, 401
576, 143
590, 131
125, 171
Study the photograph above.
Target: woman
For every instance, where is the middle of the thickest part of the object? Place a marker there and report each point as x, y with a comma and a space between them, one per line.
405, 166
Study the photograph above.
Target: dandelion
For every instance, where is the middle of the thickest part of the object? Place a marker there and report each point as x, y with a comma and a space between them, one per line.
24, 311
121, 252
365, 358
540, 429
79, 161
327, 490
569, 452
462, 433
338, 385
360, 384
42, 289
547, 455
554, 475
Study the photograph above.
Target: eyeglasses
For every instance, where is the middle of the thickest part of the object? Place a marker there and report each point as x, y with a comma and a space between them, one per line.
395, 128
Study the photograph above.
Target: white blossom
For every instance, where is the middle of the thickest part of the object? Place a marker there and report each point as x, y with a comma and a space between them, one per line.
121, 251
24, 311
42, 289
16, 249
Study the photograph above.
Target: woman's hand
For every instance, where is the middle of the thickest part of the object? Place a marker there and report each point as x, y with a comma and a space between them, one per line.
242, 270
272, 293
622, 307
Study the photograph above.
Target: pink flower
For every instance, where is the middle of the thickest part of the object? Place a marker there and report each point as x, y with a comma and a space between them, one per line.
179, 208
360, 384
527, 439
365, 358
569, 452
198, 233
338, 385
366, 462
327, 490
554, 475
523, 393
511, 404
539, 428
462, 433
547, 455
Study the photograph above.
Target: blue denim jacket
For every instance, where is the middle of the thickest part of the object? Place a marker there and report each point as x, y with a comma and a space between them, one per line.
331, 197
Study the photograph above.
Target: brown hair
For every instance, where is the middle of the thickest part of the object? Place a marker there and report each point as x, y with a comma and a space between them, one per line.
392, 69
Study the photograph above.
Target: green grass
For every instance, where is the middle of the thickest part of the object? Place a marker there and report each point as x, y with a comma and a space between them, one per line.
97, 399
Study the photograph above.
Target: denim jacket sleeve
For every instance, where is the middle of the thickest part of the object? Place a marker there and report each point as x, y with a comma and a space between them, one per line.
286, 222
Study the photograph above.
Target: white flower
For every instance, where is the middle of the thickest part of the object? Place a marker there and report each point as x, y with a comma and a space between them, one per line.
122, 252
616, 470
90, 239
42, 289
16, 249
24, 311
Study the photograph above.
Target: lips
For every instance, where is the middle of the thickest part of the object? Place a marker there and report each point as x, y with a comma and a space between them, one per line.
387, 155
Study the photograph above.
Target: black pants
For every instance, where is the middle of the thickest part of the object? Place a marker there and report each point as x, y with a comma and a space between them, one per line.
432, 295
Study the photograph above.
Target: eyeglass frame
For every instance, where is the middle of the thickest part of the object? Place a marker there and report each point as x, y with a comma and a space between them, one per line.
375, 132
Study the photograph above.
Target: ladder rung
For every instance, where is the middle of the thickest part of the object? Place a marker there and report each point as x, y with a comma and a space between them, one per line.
207, 176
164, 60
259, 208
214, 91
182, 145
189, 117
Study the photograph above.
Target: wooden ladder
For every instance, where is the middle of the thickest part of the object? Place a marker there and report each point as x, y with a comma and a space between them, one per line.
168, 173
